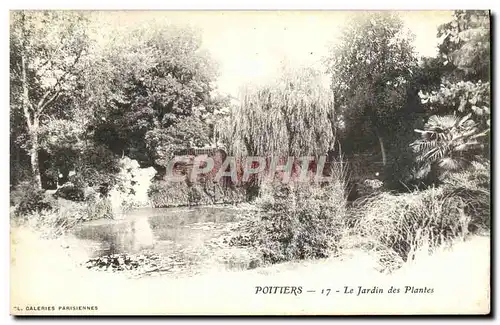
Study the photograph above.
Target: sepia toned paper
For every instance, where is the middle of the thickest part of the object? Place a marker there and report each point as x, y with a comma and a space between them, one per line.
190, 266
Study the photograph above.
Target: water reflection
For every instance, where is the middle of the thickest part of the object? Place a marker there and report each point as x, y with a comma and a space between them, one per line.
157, 230
141, 234
132, 236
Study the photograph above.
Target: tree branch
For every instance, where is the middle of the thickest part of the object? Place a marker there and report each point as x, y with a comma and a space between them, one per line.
43, 102
48, 102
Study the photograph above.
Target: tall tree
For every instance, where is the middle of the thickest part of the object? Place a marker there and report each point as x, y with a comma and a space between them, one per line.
46, 51
158, 80
371, 69
293, 116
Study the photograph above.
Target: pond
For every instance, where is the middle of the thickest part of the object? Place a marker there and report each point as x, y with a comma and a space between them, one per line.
188, 239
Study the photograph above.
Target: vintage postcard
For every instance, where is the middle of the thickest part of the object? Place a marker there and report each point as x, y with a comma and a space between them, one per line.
250, 162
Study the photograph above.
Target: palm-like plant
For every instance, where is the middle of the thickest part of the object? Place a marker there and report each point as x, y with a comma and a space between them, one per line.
447, 143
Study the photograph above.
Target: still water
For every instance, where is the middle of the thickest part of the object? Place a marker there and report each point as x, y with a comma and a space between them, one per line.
165, 231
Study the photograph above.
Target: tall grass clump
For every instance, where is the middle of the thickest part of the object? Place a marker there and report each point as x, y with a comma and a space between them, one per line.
473, 187
49, 224
395, 226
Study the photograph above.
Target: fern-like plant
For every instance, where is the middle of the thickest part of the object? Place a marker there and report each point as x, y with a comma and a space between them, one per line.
447, 143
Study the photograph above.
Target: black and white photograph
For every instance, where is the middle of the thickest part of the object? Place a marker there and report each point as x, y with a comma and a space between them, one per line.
278, 162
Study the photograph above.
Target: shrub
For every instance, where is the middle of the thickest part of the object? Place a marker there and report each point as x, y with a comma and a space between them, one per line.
51, 217
27, 199
64, 216
166, 194
70, 192
448, 143
99, 208
299, 221
93, 209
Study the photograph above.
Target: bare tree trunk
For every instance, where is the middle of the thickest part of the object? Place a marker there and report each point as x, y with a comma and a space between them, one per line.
35, 165
32, 123
382, 149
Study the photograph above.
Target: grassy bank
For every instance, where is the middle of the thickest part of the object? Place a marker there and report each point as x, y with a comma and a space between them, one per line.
53, 216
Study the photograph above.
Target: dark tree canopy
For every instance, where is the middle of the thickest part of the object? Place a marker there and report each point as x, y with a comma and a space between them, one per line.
161, 78
372, 68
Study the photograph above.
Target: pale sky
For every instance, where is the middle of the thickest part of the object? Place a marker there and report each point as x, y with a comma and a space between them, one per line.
249, 46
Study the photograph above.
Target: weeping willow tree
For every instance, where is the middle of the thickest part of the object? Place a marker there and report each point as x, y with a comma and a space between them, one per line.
293, 116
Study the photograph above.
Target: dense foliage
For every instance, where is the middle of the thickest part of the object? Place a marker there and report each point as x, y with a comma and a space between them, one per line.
461, 136
28, 199
448, 143
92, 106
297, 222
372, 69
162, 84
294, 116
79, 104
47, 49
